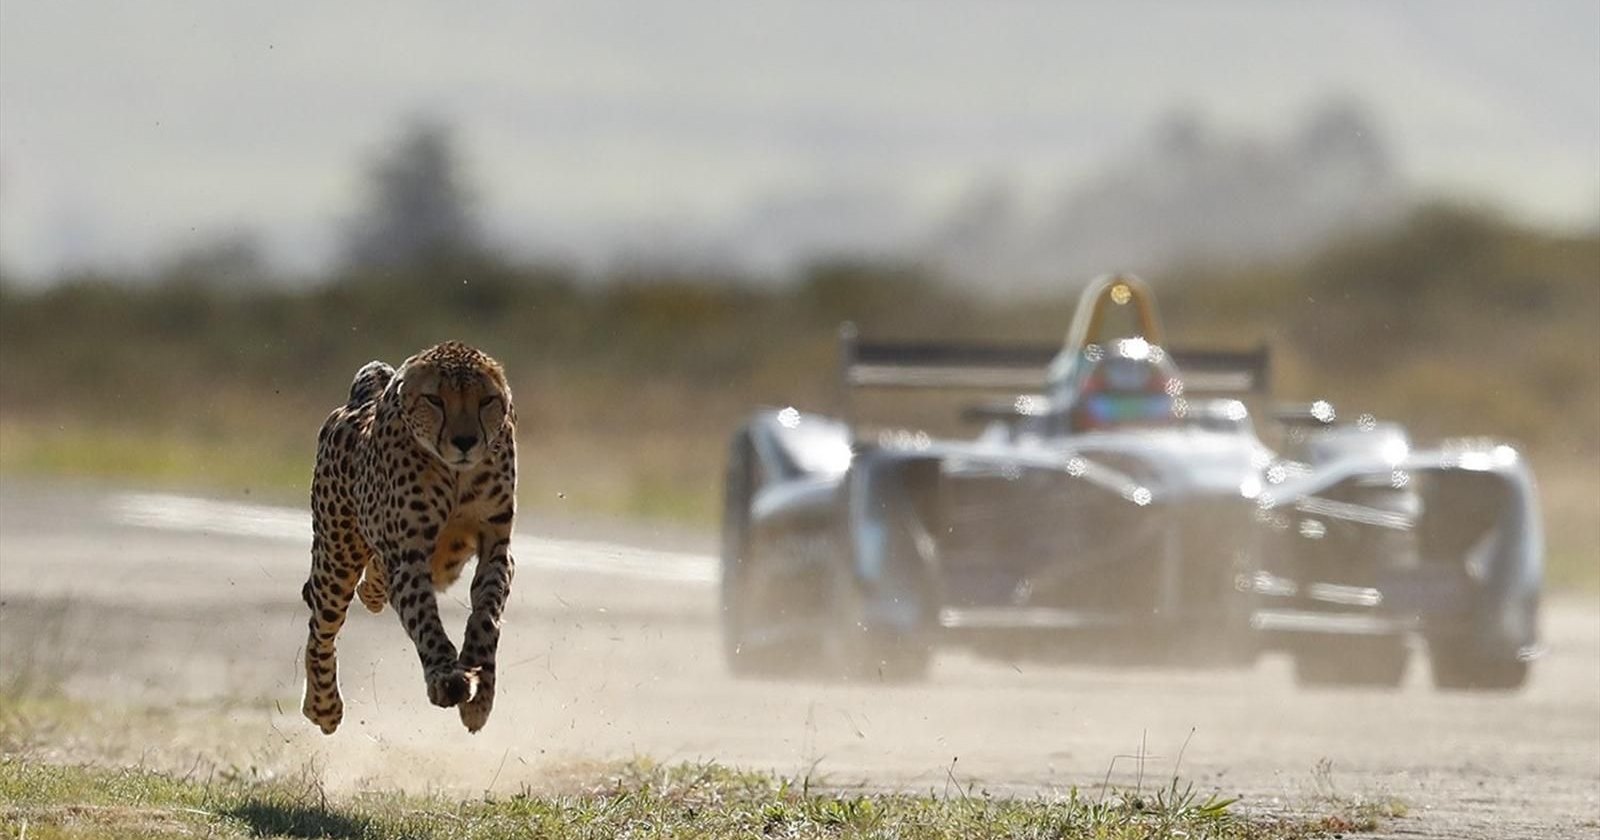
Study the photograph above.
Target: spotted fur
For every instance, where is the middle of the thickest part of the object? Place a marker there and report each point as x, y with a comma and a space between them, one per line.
415, 474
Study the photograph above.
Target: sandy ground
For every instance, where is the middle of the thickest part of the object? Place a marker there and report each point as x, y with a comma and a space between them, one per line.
611, 652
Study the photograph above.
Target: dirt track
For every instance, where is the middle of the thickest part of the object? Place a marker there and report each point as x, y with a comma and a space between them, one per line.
611, 652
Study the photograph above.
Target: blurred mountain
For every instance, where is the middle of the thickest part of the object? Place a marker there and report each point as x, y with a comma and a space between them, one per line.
1185, 193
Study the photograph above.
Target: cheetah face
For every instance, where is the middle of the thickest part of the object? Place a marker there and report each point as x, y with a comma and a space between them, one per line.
456, 418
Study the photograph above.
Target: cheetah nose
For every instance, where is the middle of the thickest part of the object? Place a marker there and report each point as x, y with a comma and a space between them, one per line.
464, 442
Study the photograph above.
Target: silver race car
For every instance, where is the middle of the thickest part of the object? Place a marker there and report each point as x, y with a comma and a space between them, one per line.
1119, 506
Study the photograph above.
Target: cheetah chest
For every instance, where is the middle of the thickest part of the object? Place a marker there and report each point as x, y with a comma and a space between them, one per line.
457, 542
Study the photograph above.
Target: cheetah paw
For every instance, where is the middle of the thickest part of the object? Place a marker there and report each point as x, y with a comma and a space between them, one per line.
325, 715
452, 688
475, 711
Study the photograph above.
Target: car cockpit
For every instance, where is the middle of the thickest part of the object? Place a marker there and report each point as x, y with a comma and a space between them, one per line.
1112, 371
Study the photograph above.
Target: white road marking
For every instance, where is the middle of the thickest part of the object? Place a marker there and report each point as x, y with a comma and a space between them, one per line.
170, 512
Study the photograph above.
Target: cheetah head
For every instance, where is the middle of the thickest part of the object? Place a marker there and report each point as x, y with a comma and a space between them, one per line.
456, 403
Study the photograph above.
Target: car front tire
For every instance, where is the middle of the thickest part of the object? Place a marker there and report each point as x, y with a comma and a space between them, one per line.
1458, 668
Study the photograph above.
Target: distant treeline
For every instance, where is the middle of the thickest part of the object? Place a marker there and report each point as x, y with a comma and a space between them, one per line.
1459, 320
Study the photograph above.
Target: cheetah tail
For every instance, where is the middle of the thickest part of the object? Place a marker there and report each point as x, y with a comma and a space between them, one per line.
370, 381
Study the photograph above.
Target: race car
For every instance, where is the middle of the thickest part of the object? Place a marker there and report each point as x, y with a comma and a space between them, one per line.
1119, 506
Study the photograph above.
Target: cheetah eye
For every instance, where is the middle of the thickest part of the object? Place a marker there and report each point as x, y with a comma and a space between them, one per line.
434, 399
487, 401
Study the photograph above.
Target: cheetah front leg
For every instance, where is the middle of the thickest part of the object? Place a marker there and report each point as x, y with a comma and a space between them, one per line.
411, 594
491, 585
327, 593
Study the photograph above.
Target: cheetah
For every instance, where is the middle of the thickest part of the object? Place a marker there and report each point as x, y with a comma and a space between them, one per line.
414, 475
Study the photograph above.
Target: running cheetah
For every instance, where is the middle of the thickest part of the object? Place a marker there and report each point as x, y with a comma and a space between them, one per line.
416, 473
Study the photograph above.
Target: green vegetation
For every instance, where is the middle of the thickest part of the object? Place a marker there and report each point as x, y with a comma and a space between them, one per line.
1455, 321
639, 800
71, 770
64, 772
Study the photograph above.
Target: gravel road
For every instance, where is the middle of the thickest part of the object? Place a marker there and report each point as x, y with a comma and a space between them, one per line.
611, 652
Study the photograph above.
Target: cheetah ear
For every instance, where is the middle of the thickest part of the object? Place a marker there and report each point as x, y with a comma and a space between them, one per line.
402, 381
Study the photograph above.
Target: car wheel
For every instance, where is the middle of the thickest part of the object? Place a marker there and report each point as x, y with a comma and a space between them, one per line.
760, 641
742, 658
891, 658
853, 651
1456, 667
1352, 662
858, 655
745, 653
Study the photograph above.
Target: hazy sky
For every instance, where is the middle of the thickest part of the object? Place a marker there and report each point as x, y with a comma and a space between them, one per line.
129, 129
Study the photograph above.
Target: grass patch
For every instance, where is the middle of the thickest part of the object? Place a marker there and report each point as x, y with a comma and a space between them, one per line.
234, 464
41, 723
657, 478
1344, 812
640, 800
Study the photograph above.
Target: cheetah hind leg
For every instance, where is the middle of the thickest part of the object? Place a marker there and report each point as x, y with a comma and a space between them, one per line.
373, 588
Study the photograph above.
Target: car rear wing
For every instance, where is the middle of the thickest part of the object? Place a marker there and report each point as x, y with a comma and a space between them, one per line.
1021, 368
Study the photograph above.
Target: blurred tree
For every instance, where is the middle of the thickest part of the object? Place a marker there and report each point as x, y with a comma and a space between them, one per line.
418, 217
232, 261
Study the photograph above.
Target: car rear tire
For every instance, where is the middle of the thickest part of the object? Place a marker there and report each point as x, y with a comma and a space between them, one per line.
1352, 662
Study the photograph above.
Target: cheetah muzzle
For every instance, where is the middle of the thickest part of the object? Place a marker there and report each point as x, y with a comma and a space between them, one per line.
415, 474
